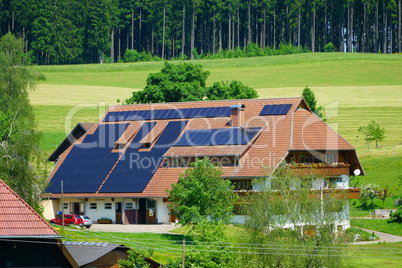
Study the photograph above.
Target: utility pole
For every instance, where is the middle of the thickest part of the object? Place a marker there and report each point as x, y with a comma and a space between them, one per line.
62, 205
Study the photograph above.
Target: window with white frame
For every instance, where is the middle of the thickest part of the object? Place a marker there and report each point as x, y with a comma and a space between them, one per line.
108, 205
65, 205
93, 206
128, 205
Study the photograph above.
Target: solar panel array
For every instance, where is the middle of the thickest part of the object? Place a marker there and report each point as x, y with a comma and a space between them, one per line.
167, 114
275, 109
88, 163
136, 168
211, 137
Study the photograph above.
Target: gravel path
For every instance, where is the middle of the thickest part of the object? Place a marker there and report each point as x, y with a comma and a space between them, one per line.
135, 228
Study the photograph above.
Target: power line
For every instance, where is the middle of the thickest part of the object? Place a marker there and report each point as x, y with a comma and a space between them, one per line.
237, 252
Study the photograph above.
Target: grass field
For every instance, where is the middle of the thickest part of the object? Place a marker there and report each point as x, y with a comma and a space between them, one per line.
381, 225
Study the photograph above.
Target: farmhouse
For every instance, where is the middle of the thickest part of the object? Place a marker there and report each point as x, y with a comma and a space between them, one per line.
25, 236
121, 167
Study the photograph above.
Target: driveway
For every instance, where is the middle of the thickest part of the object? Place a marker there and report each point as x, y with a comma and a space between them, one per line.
134, 228
383, 238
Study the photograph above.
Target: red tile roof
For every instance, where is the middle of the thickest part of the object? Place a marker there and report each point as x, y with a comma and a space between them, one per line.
299, 129
18, 219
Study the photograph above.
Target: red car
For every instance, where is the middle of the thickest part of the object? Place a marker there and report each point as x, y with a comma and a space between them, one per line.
69, 219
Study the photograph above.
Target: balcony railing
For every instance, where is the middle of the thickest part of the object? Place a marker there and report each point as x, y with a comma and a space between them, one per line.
320, 169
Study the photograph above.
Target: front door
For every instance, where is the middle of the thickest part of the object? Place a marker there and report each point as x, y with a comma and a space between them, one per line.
151, 211
143, 211
119, 213
76, 208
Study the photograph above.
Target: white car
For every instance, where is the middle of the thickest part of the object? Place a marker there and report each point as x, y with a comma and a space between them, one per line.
86, 221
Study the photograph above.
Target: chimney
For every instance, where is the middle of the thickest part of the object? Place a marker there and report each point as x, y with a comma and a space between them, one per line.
237, 115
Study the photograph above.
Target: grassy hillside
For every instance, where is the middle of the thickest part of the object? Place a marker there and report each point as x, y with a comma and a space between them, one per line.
354, 88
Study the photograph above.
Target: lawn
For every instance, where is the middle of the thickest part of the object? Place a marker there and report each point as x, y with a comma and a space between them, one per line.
381, 225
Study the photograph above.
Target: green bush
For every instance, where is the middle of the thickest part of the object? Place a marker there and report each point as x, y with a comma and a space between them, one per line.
131, 55
396, 216
206, 259
329, 47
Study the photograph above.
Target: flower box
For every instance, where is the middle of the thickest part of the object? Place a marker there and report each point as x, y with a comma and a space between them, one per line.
104, 221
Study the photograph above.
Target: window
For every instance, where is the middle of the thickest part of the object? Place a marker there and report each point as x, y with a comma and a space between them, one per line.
65, 205
239, 210
128, 205
329, 158
93, 206
151, 203
331, 182
242, 184
108, 205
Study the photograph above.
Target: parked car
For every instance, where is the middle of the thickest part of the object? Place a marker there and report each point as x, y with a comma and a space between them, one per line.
69, 219
86, 221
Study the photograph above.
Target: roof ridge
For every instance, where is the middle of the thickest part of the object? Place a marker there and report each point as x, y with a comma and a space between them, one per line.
201, 101
291, 132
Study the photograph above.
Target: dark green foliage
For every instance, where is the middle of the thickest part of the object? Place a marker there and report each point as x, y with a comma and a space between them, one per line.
397, 216
19, 141
234, 90
74, 31
201, 195
309, 97
174, 83
186, 82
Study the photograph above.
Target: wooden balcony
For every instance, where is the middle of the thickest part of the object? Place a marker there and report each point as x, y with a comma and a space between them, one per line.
319, 170
351, 193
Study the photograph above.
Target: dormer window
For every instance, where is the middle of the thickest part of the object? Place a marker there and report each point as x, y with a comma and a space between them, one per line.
150, 139
130, 131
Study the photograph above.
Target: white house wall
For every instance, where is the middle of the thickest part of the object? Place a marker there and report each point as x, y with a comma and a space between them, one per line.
100, 211
162, 211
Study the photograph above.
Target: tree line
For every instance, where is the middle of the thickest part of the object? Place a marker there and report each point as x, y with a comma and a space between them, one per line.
92, 31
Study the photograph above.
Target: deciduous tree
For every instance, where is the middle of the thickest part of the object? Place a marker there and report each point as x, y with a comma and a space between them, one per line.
187, 82
19, 142
296, 221
372, 132
202, 196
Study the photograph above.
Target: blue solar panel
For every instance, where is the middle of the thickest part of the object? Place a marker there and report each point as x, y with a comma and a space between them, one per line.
211, 137
276, 109
136, 168
168, 114
88, 163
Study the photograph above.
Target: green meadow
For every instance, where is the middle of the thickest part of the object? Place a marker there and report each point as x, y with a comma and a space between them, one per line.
353, 88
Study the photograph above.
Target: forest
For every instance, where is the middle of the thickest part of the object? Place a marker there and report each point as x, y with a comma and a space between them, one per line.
93, 31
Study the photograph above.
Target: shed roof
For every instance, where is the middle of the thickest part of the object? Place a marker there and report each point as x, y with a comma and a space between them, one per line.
18, 219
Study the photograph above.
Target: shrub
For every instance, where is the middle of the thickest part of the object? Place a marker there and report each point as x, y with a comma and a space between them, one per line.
329, 47
396, 216
131, 55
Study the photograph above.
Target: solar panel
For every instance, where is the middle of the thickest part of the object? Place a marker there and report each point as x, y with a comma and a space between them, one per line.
167, 114
136, 168
275, 109
211, 137
88, 163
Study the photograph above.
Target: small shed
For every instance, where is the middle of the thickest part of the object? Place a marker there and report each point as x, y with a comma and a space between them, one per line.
91, 254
